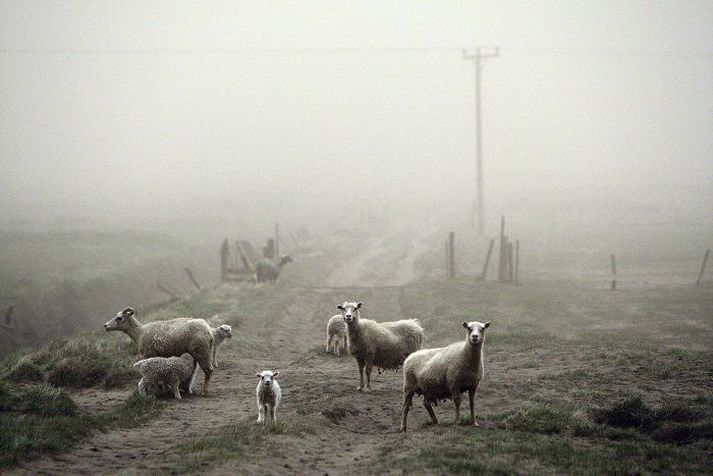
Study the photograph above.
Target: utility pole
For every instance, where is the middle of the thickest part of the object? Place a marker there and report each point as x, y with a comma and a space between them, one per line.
479, 60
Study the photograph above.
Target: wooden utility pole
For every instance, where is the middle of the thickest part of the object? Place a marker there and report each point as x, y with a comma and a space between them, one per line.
703, 267
479, 59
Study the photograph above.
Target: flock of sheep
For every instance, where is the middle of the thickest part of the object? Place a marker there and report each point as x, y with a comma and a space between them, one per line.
172, 350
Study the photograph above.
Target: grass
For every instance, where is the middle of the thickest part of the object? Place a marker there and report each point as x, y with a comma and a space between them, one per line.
42, 419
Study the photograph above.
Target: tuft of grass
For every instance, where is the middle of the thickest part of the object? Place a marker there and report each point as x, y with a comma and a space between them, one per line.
25, 370
43, 419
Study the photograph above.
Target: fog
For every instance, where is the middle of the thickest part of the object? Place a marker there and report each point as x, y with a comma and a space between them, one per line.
192, 112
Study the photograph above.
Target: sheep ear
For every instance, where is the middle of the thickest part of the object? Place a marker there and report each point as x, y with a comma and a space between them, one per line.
258, 374
486, 325
275, 373
465, 324
359, 304
340, 307
129, 311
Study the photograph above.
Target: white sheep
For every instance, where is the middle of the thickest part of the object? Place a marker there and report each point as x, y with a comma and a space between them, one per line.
268, 395
170, 338
336, 334
381, 344
446, 372
220, 333
159, 374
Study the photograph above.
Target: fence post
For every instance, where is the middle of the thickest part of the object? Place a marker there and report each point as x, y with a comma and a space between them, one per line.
193, 280
277, 243
517, 261
501, 260
703, 267
487, 260
452, 249
448, 259
224, 254
613, 272
511, 268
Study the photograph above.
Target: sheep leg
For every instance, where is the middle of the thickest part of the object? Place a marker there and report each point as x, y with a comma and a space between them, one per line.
456, 401
142, 387
260, 413
176, 387
368, 377
408, 399
361, 375
207, 369
272, 414
346, 345
329, 343
429, 408
471, 398
215, 352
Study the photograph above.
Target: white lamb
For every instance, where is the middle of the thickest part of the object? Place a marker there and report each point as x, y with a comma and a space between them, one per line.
159, 374
220, 333
336, 334
268, 395
170, 338
446, 372
383, 345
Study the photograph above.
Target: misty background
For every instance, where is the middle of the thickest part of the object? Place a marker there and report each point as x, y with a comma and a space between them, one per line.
148, 113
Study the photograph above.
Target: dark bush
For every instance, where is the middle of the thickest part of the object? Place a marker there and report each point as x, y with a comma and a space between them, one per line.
76, 372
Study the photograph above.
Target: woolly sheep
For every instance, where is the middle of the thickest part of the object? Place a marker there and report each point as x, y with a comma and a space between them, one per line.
381, 344
161, 373
446, 372
171, 338
267, 271
336, 334
220, 333
268, 395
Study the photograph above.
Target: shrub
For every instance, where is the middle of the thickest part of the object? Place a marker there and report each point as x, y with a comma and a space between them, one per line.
45, 400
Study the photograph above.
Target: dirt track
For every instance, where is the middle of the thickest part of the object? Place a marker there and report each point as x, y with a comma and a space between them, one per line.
313, 383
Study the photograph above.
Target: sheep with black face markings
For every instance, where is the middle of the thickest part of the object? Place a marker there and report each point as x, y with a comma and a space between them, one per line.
446, 372
384, 345
170, 338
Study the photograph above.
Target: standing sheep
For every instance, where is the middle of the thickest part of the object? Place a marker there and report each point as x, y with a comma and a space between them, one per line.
220, 333
171, 338
336, 334
268, 395
381, 344
267, 271
446, 372
161, 373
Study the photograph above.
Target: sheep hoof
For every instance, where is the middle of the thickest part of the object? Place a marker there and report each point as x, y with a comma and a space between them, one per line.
475, 423
360, 389
367, 389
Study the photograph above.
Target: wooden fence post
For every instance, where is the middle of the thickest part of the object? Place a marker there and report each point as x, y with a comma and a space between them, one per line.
501, 260
277, 243
703, 267
448, 259
167, 291
451, 254
193, 280
613, 271
224, 254
511, 269
517, 261
487, 260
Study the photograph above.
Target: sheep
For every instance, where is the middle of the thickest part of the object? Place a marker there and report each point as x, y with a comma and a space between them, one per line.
446, 372
381, 344
220, 333
268, 395
171, 338
267, 271
336, 334
161, 373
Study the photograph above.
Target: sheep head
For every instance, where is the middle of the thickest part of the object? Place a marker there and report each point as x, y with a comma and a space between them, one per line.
350, 311
266, 376
123, 321
476, 331
226, 331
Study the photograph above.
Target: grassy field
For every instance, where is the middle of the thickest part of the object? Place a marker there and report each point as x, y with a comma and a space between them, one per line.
578, 380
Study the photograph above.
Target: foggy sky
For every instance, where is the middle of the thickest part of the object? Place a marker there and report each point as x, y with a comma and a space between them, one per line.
161, 108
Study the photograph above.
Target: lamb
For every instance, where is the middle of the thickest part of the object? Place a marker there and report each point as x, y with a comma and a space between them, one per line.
384, 345
336, 334
159, 374
171, 338
268, 394
267, 271
446, 372
220, 333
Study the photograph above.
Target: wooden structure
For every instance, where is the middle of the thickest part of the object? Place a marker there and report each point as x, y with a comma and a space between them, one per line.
238, 263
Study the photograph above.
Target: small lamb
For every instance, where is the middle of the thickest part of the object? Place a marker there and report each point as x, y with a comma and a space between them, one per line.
336, 334
444, 373
159, 374
268, 395
220, 333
